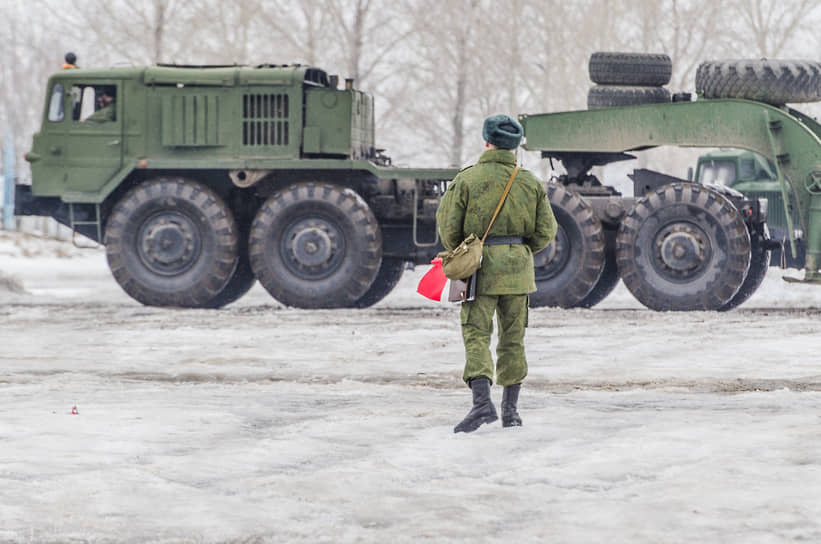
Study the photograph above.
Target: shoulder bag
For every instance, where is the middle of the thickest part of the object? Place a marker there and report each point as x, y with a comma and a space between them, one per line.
466, 258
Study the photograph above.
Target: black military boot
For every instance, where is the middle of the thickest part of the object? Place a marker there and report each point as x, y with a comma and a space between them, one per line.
510, 396
483, 410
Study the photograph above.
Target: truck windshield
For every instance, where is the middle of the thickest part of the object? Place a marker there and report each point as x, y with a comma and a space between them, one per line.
55, 106
718, 172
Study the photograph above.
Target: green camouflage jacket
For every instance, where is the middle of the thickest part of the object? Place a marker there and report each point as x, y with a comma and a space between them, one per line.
104, 114
468, 206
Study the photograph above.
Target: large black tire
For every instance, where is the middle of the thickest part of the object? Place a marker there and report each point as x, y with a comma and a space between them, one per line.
316, 245
608, 280
390, 272
611, 96
759, 264
568, 269
243, 278
240, 283
172, 242
630, 69
683, 247
772, 81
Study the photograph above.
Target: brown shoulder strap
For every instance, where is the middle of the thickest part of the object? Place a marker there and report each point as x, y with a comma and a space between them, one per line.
502, 201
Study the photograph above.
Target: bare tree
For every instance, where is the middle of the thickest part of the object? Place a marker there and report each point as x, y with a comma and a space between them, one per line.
369, 33
136, 32
297, 28
448, 60
32, 51
231, 31
560, 38
770, 26
689, 32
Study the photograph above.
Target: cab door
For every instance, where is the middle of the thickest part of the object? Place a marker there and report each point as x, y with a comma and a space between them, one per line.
94, 143
47, 154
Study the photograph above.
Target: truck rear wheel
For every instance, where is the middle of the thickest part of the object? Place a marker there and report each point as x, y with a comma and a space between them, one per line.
607, 281
315, 245
390, 272
772, 81
240, 283
608, 68
759, 264
683, 247
172, 242
568, 269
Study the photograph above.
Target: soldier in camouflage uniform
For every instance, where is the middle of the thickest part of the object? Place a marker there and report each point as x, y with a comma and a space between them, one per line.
524, 226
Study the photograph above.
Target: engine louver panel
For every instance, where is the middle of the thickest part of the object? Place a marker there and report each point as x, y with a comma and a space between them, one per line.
190, 121
265, 120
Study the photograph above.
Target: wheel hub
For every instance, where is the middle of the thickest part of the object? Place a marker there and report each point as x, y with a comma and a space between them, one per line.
313, 247
682, 249
168, 243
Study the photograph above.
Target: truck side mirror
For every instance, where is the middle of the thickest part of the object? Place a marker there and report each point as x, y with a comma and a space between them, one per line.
690, 174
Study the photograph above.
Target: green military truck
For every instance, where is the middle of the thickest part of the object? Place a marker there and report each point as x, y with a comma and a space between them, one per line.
754, 177
675, 244
201, 179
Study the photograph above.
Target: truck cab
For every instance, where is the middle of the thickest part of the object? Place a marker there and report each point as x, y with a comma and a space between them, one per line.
755, 177
194, 118
78, 149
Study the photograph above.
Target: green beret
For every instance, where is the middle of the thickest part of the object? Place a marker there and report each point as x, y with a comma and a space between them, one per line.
502, 131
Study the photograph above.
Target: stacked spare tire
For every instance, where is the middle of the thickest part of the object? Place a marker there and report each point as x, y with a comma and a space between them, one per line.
628, 79
772, 81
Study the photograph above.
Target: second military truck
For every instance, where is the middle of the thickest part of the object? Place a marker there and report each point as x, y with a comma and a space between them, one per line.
678, 245
755, 177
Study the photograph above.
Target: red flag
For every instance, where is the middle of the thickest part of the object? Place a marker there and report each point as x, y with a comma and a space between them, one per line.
433, 282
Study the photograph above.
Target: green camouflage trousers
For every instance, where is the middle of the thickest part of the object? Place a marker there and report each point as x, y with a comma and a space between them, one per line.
477, 326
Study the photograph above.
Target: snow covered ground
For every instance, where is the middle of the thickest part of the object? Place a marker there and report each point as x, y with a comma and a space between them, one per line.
259, 423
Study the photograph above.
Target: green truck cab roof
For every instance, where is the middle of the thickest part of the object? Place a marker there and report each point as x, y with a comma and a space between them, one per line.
750, 167
213, 76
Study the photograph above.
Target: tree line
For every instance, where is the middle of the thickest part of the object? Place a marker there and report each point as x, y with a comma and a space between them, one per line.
435, 67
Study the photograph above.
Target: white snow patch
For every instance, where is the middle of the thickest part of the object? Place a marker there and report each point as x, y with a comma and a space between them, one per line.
259, 423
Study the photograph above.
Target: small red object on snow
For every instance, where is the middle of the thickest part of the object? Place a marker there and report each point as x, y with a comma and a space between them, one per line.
433, 282
74, 411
